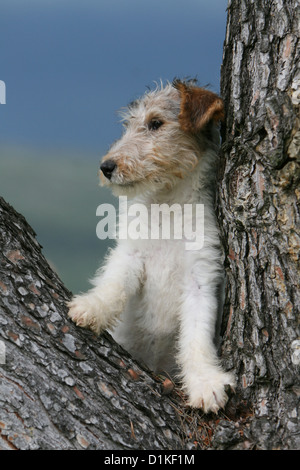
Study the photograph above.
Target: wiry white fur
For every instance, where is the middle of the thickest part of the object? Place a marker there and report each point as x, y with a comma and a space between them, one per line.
159, 299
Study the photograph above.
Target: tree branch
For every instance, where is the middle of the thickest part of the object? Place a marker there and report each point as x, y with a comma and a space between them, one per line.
60, 386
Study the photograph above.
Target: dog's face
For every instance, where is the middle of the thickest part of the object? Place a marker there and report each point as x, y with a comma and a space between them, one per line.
162, 141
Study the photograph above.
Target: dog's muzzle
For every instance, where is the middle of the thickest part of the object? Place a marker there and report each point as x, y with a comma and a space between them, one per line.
107, 168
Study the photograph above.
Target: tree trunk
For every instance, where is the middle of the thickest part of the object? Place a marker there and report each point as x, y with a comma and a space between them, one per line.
257, 205
60, 386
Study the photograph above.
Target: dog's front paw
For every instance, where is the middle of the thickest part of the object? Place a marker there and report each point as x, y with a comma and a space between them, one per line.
86, 312
208, 391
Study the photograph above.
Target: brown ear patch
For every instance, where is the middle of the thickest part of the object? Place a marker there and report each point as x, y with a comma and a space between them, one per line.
198, 107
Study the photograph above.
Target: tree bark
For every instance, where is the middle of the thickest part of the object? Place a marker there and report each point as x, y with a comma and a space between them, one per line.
60, 386
257, 206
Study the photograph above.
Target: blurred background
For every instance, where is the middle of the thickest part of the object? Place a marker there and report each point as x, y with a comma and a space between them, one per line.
68, 66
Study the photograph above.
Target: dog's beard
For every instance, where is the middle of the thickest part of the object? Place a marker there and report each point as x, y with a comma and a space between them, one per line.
128, 189
135, 188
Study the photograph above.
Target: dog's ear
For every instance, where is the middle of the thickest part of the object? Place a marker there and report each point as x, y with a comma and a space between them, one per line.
198, 107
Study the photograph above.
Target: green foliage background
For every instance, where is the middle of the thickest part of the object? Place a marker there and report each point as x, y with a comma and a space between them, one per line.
58, 193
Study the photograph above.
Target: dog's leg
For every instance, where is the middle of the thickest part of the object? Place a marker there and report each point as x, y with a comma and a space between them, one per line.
100, 307
202, 376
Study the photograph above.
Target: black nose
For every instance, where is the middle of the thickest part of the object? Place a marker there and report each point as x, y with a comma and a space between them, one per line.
108, 167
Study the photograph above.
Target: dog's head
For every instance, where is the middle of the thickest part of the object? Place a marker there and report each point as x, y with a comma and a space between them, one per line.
165, 134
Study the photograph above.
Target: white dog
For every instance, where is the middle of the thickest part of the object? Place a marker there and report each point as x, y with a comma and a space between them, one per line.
159, 296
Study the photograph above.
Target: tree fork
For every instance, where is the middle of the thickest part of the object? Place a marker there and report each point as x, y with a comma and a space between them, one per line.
63, 388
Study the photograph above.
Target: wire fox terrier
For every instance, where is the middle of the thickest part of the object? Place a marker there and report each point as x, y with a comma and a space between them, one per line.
160, 297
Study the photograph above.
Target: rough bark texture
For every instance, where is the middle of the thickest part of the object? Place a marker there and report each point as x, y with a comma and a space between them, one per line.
258, 209
60, 386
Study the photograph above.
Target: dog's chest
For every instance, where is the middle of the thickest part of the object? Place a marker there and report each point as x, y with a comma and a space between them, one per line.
161, 288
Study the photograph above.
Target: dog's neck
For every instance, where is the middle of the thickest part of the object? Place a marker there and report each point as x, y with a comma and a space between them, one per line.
196, 187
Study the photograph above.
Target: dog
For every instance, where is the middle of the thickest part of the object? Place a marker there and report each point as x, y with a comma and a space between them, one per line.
160, 297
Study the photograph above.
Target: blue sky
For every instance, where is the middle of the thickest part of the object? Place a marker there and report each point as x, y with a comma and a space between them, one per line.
69, 65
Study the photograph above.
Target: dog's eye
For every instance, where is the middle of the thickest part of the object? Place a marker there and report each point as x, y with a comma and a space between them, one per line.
155, 124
